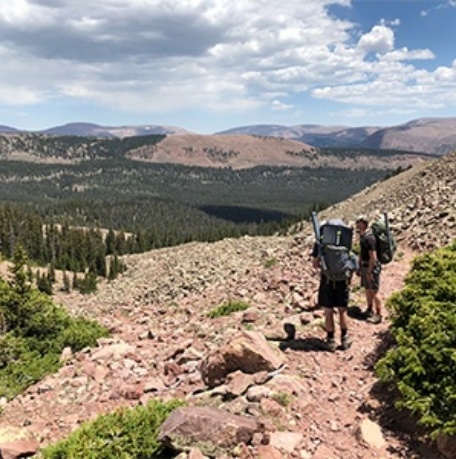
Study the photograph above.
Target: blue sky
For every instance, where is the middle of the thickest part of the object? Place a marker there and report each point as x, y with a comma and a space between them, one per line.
210, 65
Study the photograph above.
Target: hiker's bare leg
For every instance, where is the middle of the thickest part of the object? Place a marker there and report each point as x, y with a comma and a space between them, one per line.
376, 302
329, 320
343, 319
369, 299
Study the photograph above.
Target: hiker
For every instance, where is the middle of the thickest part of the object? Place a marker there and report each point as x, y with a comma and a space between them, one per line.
331, 256
370, 269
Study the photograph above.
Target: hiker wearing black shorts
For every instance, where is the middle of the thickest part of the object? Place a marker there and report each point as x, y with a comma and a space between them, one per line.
370, 270
333, 294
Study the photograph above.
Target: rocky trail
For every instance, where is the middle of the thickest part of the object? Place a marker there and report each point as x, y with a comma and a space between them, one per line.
311, 404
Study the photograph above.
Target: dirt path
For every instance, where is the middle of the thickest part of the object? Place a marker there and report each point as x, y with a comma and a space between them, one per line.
343, 389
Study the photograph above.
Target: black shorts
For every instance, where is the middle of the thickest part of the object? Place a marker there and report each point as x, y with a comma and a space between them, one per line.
333, 294
373, 282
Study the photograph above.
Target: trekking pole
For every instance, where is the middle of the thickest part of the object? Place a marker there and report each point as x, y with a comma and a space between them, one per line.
388, 234
316, 228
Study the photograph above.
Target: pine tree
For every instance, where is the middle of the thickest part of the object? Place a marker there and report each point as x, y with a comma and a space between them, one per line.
89, 283
75, 281
20, 280
113, 268
51, 273
66, 283
44, 284
110, 242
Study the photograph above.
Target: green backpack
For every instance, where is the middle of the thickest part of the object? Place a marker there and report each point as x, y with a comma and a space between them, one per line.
385, 243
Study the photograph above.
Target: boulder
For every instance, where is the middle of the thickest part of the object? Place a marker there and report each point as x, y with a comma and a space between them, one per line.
248, 352
370, 433
16, 443
212, 430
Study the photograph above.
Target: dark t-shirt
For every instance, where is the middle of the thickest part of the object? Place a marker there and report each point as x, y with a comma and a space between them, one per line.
367, 244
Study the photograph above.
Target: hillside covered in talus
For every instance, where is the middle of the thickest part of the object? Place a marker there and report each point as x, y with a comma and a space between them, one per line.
167, 342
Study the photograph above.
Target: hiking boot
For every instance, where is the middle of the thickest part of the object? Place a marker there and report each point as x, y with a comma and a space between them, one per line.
330, 344
367, 313
346, 342
374, 319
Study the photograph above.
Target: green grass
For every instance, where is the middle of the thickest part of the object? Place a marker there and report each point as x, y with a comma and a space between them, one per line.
269, 263
228, 308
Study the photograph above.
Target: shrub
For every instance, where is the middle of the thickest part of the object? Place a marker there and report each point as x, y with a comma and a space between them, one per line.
270, 262
282, 398
34, 333
228, 308
125, 433
422, 364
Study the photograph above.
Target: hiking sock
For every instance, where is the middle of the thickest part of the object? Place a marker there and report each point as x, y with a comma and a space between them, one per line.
343, 332
329, 335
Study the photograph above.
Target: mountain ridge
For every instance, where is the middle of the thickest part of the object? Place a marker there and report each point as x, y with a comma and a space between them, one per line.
425, 135
236, 151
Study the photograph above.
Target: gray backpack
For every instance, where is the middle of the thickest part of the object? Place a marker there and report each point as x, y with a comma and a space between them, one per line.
338, 262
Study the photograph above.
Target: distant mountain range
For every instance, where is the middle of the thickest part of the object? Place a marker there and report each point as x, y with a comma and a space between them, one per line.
424, 135
95, 130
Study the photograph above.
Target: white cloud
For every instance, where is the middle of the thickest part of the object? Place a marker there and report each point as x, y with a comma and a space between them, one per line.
396, 85
404, 54
280, 106
155, 56
379, 40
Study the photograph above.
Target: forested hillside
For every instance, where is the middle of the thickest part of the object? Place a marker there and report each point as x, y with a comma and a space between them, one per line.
73, 201
57, 211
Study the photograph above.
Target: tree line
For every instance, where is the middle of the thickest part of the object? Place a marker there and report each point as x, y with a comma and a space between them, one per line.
96, 251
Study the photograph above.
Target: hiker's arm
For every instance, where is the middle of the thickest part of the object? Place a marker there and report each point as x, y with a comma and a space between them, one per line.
371, 243
372, 262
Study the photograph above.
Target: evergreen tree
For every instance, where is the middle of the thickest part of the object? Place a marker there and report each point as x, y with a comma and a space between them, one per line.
110, 242
112, 273
100, 261
75, 281
20, 279
44, 284
51, 273
89, 283
29, 273
120, 244
66, 283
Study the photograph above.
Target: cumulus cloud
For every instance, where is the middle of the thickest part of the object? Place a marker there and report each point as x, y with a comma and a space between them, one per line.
379, 40
405, 54
154, 56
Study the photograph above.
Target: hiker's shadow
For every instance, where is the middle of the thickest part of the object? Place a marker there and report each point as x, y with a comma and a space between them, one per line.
298, 344
303, 344
355, 312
